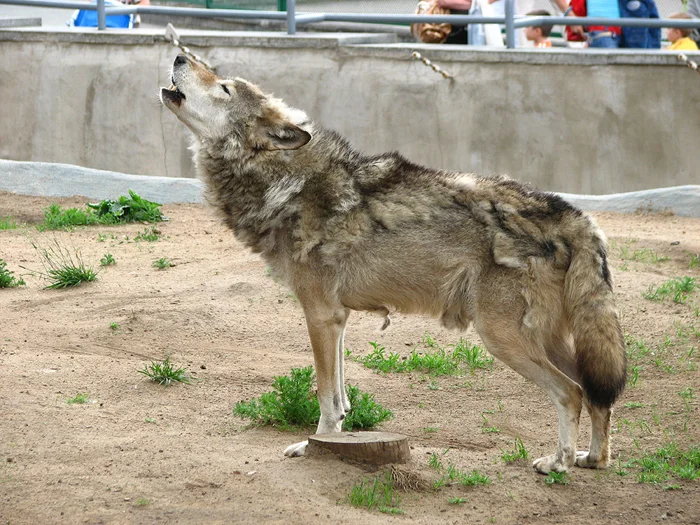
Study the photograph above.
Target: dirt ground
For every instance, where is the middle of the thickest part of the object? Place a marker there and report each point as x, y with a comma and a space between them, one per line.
142, 453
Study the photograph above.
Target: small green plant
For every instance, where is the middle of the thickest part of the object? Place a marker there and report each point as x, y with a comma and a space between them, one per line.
453, 476
142, 502
634, 404
63, 269
430, 430
57, 218
687, 393
633, 375
114, 326
457, 501
678, 289
557, 478
7, 278
666, 463
79, 399
485, 428
149, 234
7, 223
128, 209
377, 494
164, 372
694, 261
150, 420
437, 362
644, 255
519, 452
107, 260
163, 263
293, 404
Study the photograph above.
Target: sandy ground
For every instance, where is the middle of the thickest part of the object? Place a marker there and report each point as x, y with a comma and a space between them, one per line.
142, 453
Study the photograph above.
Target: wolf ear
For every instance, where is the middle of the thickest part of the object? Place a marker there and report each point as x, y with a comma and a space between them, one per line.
280, 136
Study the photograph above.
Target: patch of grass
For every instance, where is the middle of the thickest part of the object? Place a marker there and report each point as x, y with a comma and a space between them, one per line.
149, 234
485, 428
7, 278
142, 502
293, 404
114, 326
644, 255
557, 478
452, 476
666, 463
79, 399
125, 209
519, 452
431, 430
687, 393
634, 404
457, 501
163, 263
377, 494
694, 261
678, 288
164, 372
9, 223
63, 269
150, 420
437, 362
108, 260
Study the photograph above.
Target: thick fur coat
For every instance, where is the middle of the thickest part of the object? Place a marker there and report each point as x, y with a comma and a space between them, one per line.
348, 232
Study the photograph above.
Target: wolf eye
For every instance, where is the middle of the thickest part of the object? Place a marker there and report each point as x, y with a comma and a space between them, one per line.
225, 90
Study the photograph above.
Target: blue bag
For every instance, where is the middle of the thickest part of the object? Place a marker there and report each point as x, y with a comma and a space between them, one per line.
644, 37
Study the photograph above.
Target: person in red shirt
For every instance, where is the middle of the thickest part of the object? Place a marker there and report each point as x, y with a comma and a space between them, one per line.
595, 36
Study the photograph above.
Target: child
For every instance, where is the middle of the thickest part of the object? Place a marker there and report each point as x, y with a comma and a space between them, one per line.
679, 36
539, 35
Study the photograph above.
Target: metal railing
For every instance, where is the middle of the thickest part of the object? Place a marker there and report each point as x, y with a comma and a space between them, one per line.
510, 20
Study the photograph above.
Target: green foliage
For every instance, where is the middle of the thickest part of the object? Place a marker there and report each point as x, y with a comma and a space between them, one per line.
163, 263
78, 399
114, 326
164, 372
668, 462
694, 261
377, 494
644, 255
107, 260
7, 223
518, 453
7, 278
63, 269
677, 288
687, 393
634, 404
435, 363
127, 209
452, 476
149, 234
457, 501
293, 404
557, 478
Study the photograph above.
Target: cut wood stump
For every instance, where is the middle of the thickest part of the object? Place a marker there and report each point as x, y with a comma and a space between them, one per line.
373, 448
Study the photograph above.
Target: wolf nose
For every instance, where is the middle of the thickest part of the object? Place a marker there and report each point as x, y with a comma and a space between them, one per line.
180, 59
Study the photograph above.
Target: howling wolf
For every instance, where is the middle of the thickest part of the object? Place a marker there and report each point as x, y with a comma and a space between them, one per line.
352, 232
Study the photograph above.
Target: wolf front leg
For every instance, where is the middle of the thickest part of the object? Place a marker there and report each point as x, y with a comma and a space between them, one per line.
326, 325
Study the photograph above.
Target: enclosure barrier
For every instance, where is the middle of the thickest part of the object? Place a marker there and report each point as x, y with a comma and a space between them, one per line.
510, 20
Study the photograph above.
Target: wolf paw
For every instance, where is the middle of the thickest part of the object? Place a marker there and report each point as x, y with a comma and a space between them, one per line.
585, 460
296, 450
548, 464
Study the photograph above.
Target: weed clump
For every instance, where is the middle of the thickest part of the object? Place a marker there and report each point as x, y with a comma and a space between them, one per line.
7, 278
63, 269
165, 373
293, 404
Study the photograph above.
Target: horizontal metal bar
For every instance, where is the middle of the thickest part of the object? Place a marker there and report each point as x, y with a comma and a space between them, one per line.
52, 3
591, 21
308, 18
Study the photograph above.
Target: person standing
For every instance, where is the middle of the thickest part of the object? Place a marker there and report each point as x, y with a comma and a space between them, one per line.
459, 34
594, 36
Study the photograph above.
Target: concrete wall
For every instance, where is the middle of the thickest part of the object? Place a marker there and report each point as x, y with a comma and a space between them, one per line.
566, 120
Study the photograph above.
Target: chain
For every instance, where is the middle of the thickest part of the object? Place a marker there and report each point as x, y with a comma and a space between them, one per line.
692, 65
427, 62
172, 36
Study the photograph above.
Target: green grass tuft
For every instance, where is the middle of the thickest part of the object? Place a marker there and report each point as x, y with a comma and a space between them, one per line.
377, 494
518, 453
293, 404
678, 289
79, 399
557, 478
666, 463
7, 278
108, 260
437, 362
165, 373
63, 269
163, 263
8, 223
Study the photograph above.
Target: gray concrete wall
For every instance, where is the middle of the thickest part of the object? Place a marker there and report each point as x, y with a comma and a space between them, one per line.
566, 120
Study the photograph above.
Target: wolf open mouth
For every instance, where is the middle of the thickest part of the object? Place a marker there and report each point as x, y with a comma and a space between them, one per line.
173, 94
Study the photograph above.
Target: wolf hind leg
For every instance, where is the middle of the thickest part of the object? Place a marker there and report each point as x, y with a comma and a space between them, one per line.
598, 454
507, 342
326, 325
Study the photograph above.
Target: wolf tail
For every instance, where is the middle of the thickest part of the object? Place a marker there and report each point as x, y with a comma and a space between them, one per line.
601, 360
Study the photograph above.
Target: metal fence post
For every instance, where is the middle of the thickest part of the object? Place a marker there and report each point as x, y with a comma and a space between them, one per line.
510, 21
291, 20
101, 18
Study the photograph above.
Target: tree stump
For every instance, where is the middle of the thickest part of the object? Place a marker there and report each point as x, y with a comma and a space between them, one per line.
373, 448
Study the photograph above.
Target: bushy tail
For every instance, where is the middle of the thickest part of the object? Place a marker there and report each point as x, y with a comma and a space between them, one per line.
601, 359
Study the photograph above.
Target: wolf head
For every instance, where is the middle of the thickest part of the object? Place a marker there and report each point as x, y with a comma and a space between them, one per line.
232, 111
